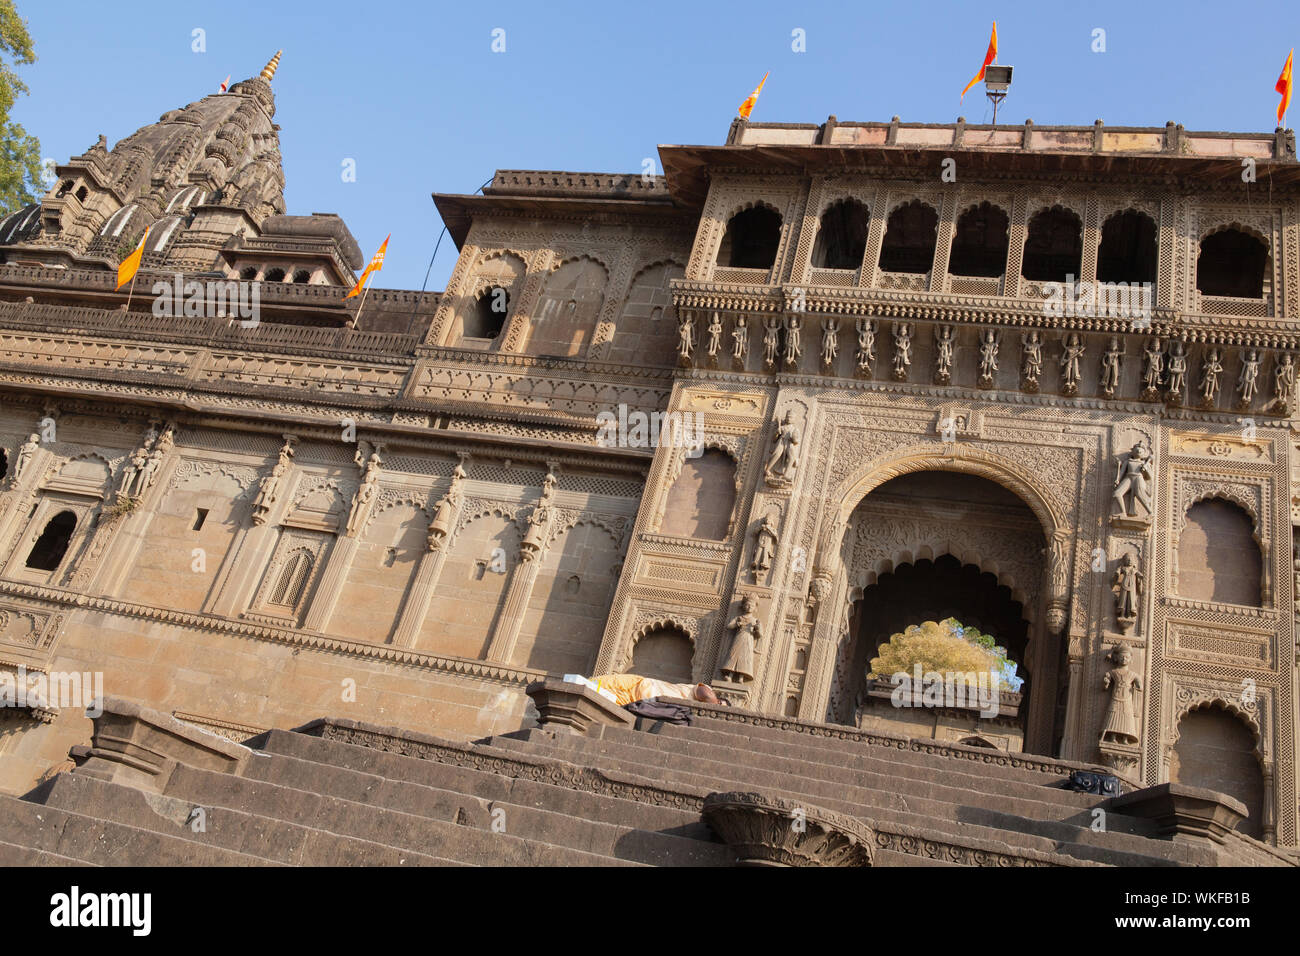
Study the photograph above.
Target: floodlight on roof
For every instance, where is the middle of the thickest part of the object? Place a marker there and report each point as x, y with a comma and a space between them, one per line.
997, 80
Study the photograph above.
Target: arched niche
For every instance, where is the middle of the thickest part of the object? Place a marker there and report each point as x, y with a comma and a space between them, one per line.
663, 651
1215, 748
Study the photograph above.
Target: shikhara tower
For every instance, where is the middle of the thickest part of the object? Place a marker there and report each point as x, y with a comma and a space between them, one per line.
231, 523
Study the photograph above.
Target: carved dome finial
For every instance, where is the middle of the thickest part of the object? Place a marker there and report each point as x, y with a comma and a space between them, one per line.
268, 71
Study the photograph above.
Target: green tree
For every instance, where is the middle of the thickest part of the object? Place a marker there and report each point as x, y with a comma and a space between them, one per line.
20, 154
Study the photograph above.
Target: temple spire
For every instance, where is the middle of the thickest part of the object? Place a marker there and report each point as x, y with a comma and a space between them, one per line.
268, 71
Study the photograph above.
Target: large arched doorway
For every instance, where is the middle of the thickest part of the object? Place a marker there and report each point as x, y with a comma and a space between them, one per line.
932, 546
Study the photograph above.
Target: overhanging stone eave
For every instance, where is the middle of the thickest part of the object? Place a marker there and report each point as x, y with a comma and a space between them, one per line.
458, 210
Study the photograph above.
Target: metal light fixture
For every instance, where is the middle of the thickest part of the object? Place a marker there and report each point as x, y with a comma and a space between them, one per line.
997, 80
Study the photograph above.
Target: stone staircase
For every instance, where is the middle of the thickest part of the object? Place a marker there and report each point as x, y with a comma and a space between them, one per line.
591, 786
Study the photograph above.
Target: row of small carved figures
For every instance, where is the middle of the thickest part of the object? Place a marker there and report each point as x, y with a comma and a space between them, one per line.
1164, 371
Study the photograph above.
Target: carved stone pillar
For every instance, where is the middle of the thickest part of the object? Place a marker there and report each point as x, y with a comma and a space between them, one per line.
943, 243
326, 597
420, 593
825, 641
531, 551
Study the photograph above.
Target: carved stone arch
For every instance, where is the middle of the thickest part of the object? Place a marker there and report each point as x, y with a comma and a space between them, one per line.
1197, 493
559, 264
313, 484
1250, 229
934, 548
981, 463
392, 497
569, 521
737, 208
1204, 701
975, 202
1046, 204
476, 508
658, 620
897, 200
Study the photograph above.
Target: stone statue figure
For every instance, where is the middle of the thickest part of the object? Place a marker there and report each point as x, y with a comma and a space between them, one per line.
1110, 366
866, 329
830, 347
1283, 381
902, 349
440, 525
685, 338
771, 339
793, 347
1031, 350
536, 530
943, 353
1121, 720
132, 471
1248, 379
366, 491
1177, 371
764, 548
1071, 361
1211, 369
740, 338
1128, 586
739, 663
784, 459
715, 337
1154, 368
25, 453
1133, 479
988, 356
269, 491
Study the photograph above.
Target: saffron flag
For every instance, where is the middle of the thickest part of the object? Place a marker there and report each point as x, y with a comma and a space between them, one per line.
225, 84
989, 57
376, 263
131, 264
1284, 87
747, 107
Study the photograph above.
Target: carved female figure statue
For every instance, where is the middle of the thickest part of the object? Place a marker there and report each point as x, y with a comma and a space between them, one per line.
1211, 369
270, 488
1121, 721
685, 338
1154, 369
1071, 359
366, 490
739, 663
25, 452
764, 548
902, 349
793, 347
866, 329
988, 356
771, 331
1128, 586
715, 336
1132, 478
1283, 381
740, 338
943, 353
1248, 379
783, 461
1177, 371
1110, 362
1031, 349
132, 471
830, 347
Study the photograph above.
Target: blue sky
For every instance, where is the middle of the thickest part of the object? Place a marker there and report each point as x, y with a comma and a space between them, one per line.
413, 92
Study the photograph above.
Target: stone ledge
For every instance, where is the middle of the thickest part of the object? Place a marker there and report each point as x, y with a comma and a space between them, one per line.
140, 748
563, 707
1183, 813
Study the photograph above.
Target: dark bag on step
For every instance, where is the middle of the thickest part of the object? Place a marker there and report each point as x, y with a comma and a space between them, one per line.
652, 709
1102, 784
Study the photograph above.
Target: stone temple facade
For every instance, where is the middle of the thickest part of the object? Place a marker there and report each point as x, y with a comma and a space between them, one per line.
805, 389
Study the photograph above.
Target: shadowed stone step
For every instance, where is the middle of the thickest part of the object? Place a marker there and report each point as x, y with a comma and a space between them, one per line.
898, 801
583, 833
102, 842
275, 840
13, 855
392, 828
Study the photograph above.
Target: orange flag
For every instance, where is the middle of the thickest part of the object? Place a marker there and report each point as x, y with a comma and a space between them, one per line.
376, 263
1284, 87
989, 57
131, 264
747, 107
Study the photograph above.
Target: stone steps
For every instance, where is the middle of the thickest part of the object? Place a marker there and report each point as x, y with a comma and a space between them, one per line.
393, 829
11, 854
89, 839
526, 807
880, 799
255, 835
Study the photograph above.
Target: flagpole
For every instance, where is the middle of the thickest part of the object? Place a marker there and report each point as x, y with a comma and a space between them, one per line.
356, 323
131, 291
